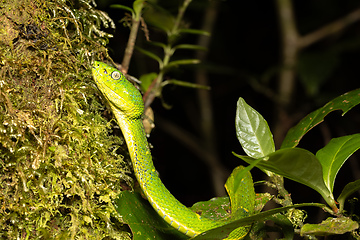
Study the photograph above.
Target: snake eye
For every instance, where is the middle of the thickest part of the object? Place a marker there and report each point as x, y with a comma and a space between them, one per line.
105, 72
115, 75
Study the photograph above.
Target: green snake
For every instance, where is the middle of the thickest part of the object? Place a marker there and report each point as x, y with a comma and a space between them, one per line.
127, 106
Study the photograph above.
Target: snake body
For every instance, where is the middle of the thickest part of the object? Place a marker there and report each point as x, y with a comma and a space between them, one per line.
127, 105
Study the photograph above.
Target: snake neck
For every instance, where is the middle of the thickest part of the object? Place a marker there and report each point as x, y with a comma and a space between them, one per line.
134, 134
165, 204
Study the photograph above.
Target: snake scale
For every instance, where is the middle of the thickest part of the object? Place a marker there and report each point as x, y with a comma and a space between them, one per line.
127, 106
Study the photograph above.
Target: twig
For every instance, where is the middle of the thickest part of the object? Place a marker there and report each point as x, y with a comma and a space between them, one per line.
206, 113
136, 18
130, 46
180, 16
289, 37
328, 30
168, 52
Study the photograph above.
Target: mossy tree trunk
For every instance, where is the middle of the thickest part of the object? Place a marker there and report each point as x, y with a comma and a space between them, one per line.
59, 164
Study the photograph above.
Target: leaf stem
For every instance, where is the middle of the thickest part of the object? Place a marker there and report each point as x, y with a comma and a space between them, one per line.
169, 50
180, 16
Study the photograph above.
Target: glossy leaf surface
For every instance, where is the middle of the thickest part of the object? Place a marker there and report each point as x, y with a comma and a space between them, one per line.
296, 164
253, 131
334, 155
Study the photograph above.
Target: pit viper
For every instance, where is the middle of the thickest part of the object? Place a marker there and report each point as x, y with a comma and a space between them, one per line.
127, 106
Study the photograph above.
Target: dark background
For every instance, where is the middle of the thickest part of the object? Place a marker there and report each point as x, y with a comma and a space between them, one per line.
246, 43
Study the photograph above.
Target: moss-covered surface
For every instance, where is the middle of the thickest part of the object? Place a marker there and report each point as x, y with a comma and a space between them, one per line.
59, 166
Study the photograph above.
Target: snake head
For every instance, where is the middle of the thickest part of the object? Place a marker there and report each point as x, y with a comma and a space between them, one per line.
118, 90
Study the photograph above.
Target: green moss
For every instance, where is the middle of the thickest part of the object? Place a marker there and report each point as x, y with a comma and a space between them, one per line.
59, 162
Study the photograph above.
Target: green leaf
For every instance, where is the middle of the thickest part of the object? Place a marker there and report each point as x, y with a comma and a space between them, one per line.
315, 68
138, 6
119, 6
253, 131
159, 17
189, 46
284, 225
158, 44
215, 208
146, 80
194, 31
184, 84
349, 189
334, 155
182, 62
330, 226
151, 55
223, 231
344, 102
298, 165
240, 188
142, 219
261, 200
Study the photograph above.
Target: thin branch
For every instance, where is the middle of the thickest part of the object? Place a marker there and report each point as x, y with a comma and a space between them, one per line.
130, 45
168, 52
180, 16
287, 79
289, 37
206, 112
329, 29
136, 19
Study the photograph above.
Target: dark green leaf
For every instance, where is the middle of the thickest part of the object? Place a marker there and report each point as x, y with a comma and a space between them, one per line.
296, 164
330, 226
223, 231
284, 225
142, 219
334, 155
315, 68
151, 55
344, 102
349, 189
253, 131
